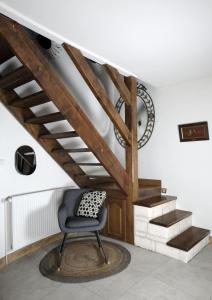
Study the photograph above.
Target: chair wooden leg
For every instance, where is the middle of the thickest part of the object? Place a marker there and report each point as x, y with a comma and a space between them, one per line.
101, 246
61, 250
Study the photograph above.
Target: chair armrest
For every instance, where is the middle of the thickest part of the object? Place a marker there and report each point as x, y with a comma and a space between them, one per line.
62, 216
102, 216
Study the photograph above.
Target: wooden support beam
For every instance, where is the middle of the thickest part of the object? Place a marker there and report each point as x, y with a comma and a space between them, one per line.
98, 90
119, 83
30, 55
131, 157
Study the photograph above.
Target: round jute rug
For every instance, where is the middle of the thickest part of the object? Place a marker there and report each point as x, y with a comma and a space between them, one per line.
82, 261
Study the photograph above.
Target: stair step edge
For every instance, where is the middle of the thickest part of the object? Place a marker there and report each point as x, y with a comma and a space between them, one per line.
171, 218
155, 201
188, 239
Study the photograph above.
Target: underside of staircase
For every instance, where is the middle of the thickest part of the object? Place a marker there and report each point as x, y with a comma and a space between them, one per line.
136, 209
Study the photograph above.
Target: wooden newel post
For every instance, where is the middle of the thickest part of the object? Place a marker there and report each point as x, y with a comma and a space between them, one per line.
131, 156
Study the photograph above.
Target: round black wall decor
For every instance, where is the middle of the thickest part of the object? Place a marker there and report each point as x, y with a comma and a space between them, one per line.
25, 160
145, 116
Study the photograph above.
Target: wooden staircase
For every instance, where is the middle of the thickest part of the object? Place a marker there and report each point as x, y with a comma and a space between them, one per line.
123, 187
162, 228
16, 42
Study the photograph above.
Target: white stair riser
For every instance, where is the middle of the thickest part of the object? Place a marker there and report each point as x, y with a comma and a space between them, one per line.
159, 233
153, 212
172, 231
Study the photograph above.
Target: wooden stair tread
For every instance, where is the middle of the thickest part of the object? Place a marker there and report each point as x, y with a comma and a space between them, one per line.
59, 135
189, 238
97, 180
30, 101
155, 201
83, 164
171, 218
46, 119
16, 78
73, 150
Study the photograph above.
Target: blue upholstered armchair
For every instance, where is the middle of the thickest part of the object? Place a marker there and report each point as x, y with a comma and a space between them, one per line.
69, 222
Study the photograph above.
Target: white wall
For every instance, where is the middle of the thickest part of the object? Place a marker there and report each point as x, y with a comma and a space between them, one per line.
185, 168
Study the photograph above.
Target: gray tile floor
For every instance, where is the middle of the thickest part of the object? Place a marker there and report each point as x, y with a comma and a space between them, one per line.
149, 276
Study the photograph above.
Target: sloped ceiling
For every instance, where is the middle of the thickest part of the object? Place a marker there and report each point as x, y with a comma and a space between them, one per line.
162, 42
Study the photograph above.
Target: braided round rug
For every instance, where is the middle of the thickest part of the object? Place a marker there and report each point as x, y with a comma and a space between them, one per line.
82, 261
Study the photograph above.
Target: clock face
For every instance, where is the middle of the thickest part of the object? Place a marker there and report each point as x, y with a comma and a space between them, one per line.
145, 116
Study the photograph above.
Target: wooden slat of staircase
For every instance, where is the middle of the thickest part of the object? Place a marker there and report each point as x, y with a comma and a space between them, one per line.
98, 90
155, 201
84, 164
99, 179
46, 119
77, 150
119, 83
30, 101
171, 218
148, 191
189, 238
35, 130
30, 55
5, 52
59, 135
16, 78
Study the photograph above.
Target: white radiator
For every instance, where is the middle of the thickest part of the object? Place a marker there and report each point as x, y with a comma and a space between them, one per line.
32, 217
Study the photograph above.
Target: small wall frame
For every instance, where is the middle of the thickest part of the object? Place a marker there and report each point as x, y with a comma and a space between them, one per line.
193, 132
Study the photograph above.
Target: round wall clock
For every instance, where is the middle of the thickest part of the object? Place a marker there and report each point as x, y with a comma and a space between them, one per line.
145, 117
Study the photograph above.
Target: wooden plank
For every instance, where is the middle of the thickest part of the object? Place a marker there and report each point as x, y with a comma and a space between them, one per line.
36, 130
46, 119
16, 78
30, 101
119, 83
148, 191
30, 55
171, 218
155, 201
77, 150
98, 90
131, 156
97, 180
189, 238
85, 164
145, 182
59, 135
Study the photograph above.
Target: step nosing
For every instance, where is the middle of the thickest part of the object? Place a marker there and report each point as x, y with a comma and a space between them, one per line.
155, 201
171, 218
189, 238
